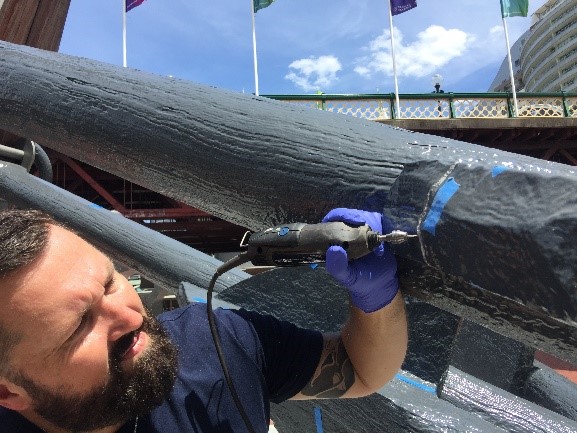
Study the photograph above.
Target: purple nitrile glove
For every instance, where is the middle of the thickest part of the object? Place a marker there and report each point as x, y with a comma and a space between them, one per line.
371, 280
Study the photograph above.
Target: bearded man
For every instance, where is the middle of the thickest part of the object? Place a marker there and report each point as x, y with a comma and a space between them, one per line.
79, 352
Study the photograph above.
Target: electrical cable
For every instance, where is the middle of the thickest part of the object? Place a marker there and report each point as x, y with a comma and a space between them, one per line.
232, 263
42, 162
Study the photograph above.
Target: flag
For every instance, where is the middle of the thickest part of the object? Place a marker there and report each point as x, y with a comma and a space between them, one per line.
261, 4
131, 4
400, 6
514, 8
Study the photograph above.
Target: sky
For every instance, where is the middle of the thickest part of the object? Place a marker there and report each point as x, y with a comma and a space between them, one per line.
303, 46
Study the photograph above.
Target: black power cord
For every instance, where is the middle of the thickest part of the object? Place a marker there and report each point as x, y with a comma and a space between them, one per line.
232, 263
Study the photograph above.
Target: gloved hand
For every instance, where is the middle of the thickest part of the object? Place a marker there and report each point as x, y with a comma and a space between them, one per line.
371, 280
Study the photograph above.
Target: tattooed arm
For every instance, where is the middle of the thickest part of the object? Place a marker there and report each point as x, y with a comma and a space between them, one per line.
363, 357
372, 345
334, 374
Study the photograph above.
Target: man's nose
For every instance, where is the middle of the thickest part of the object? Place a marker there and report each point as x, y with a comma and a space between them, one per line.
122, 319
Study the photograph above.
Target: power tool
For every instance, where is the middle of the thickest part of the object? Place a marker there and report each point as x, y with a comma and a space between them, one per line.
301, 244
294, 244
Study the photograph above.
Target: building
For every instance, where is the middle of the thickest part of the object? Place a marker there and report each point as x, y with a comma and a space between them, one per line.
502, 81
545, 57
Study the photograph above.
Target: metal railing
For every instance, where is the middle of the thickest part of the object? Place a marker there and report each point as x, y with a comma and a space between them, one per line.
441, 105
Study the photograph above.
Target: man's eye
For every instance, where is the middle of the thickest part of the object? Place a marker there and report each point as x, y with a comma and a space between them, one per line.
82, 324
109, 285
79, 329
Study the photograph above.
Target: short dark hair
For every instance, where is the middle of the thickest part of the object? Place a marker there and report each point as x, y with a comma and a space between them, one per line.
23, 237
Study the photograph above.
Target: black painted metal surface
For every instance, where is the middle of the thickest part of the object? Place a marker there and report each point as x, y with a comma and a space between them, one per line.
432, 334
503, 247
533, 327
547, 388
491, 357
504, 230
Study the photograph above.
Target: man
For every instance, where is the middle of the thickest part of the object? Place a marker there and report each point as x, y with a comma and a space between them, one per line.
79, 353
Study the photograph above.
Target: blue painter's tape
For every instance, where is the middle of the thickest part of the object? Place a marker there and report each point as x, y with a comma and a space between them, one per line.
201, 300
318, 419
416, 384
497, 170
443, 195
314, 265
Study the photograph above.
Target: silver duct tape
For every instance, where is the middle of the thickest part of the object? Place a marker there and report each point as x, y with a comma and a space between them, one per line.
499, 407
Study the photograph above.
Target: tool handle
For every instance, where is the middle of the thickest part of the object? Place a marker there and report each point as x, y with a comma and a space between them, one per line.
300, 244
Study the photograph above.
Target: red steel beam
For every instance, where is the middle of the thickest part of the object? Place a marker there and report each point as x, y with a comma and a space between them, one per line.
93, 183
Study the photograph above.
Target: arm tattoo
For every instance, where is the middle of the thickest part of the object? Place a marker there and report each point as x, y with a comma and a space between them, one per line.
335, 373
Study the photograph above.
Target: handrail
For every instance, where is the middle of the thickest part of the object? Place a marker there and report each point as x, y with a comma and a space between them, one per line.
381, 106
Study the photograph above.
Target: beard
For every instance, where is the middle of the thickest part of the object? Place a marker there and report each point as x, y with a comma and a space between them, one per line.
124, 396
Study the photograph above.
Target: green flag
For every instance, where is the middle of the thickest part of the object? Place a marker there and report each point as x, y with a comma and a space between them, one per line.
512, 8
261, 4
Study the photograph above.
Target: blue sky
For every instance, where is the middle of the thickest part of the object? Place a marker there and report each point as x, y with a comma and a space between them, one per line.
302, 45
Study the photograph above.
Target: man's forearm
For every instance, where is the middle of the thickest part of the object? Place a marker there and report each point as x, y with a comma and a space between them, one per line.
363, 357
372, 345
376, 344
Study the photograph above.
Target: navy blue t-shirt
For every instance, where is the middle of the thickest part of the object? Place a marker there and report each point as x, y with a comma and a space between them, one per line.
268, 359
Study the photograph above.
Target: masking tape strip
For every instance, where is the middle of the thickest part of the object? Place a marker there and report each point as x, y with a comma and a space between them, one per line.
414, 383
497, 170
444, 194
318, 419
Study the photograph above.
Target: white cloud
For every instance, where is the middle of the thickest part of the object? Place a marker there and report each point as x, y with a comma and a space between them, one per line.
433, 48
314, 73
496, 31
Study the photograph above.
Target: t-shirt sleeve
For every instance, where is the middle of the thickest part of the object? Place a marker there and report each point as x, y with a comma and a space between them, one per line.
291, 354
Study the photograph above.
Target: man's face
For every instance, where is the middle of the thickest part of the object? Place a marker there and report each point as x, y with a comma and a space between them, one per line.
88, 356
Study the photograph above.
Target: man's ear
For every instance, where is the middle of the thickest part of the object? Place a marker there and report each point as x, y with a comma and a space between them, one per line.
13, 397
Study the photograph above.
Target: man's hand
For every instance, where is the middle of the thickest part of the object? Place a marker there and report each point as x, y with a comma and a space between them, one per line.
371, 280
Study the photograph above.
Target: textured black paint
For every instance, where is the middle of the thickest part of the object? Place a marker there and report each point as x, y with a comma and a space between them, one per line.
511, 233
549, 389
533, 327
431, 335
258, 162
493, 358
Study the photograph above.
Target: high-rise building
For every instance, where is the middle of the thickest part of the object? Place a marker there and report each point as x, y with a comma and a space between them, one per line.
545, 57
502, 81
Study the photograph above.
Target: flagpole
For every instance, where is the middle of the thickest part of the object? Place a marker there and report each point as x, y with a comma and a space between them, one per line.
254, 49
124, 33
511, 69
398, 104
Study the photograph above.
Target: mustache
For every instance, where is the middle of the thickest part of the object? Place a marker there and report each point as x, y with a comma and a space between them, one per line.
124, 343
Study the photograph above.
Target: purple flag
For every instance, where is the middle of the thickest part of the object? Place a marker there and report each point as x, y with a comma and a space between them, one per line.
131, 4
400, 6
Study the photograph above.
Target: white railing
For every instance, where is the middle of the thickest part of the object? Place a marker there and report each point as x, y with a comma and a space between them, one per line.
441, 105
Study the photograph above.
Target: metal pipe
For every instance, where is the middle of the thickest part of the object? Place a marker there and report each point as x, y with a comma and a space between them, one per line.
11, 152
